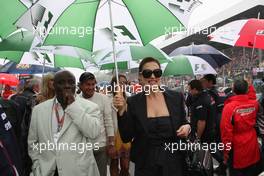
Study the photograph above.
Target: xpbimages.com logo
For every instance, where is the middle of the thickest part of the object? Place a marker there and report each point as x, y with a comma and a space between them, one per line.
182, 146
109, 89
80, 31
61, 146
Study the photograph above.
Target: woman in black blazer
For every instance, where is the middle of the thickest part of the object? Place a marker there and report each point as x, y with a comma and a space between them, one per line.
154, 120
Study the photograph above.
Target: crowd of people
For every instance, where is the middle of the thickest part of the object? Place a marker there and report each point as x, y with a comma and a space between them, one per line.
242, 60
55, 128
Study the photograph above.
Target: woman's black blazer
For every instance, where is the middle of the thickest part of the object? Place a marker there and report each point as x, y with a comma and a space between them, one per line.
133, 123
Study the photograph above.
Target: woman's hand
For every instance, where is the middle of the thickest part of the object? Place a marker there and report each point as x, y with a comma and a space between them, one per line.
184, 131
120, 103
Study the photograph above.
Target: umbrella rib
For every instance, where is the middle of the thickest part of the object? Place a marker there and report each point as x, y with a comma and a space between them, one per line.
25, 11
102, 5
85, 2
118, 3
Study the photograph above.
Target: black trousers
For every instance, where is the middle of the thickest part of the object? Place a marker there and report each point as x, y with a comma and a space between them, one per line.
56, 172
253, 170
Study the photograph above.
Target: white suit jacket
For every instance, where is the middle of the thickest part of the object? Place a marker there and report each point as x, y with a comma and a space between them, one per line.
74, 154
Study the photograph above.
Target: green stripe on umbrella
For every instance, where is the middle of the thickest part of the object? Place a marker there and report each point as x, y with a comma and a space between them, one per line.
19, 41
67, 61
123, 65
151, 18
127, 56
139, 53
79, 16
14, 56
10, 11
187, 65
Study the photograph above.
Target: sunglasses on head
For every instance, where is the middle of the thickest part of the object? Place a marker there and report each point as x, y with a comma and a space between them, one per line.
147, 73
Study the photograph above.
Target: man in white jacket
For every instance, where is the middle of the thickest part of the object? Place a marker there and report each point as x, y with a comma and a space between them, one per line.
61, 131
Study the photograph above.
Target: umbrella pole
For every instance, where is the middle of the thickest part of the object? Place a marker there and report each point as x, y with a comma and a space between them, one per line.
43, 68
224, 83
192, 48
182, 86
113, 42
253, 49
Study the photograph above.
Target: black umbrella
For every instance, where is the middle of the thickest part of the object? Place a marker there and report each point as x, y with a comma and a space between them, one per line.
211, 55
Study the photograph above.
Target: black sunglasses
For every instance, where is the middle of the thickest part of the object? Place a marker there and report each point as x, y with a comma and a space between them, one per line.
147, 73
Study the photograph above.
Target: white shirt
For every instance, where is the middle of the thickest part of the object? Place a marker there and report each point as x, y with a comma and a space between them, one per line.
106, 119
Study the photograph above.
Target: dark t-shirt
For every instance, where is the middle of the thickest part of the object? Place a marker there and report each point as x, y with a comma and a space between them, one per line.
203, 108
9, 150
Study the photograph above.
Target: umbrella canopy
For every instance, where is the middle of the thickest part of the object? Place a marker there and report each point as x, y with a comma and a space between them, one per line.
10, 11
16, 46
211, 55
187, 65
13, 68
86, 23
245, 33
128, 57
34, 58
8, 79
94, 24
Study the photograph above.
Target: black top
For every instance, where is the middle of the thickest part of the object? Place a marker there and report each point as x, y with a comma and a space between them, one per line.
203, 108
160, 130
160, 161
9, 150
133, 125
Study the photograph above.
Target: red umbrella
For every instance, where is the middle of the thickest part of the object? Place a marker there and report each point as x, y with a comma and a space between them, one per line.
8, 79
245, 33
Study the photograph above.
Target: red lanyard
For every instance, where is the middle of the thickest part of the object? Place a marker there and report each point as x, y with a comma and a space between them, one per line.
59, 120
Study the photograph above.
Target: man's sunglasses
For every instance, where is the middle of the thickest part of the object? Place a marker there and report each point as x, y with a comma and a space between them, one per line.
147, 73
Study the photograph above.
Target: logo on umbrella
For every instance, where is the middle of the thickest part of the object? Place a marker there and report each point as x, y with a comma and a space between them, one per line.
260, 32
22, 66
200, 67
181, 5
121, 34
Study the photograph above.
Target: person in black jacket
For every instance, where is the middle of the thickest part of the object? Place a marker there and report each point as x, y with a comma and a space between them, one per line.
152, 120
10, 160
26, 101
11, 109
209, 84
202, 112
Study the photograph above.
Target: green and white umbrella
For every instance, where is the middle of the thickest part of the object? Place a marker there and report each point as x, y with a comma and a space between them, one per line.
49, 60
98, 24
16, 48
128, 57
86, 23
187, 65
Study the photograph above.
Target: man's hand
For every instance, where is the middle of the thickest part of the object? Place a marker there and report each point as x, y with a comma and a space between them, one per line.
249, 80
184, 131
110, 149
68, 96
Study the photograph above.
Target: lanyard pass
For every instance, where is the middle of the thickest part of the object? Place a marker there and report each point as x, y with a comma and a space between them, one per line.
60, 121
